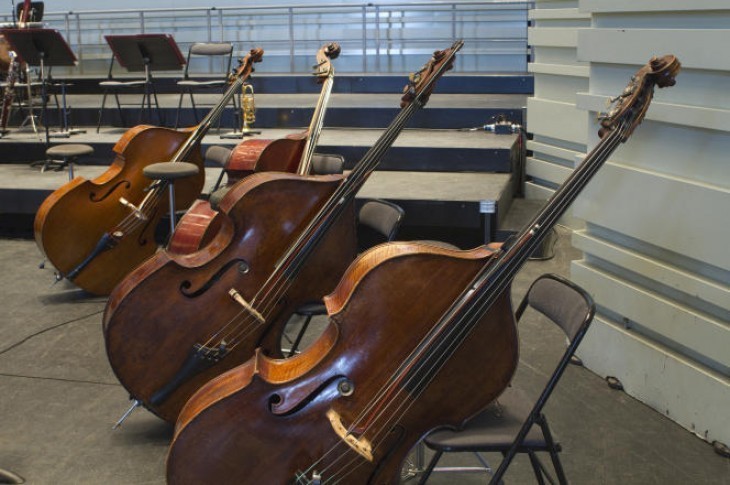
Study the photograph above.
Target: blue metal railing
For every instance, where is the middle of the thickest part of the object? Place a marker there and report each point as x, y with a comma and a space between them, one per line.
375, 38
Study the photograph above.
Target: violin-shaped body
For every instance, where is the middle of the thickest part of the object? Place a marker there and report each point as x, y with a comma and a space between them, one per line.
292, 153
334, 412
201, 222
95, 232
172, 303
72, 220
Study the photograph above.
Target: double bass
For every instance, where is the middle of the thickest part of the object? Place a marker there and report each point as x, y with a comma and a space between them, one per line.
419, 338
5, 59
96, 231
179, 320
292, 153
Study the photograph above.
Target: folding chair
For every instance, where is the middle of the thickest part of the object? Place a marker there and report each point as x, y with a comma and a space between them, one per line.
188, 86
506, 426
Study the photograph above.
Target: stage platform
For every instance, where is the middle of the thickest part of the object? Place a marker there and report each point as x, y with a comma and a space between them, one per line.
454, 184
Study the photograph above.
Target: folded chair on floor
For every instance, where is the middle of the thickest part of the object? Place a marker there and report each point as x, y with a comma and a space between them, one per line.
511, 425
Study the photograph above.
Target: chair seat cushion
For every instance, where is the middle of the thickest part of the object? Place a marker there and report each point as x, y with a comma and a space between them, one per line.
494, 429
170, 170
201, 84
216, 197
121, 84
69, 150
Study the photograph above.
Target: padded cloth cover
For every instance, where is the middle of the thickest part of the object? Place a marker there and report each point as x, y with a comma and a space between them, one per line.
69, 150
493, 429
170, 170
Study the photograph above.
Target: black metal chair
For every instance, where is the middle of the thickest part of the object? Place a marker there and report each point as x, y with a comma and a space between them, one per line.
378, 221
508, 425
223, 50
117, 86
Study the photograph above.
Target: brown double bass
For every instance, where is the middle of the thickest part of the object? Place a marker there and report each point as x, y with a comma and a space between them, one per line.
419, 338
179, 320
94, 232
292, 153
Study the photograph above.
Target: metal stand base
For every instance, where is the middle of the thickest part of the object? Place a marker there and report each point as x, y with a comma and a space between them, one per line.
240, 134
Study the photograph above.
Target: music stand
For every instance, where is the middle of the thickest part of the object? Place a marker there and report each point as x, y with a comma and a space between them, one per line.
147, 53
45, 48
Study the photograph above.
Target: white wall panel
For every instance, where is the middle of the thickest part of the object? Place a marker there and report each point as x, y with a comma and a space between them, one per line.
655, 243
665, 380
695, 48
654, 268
668, 212
705, 337
556, 120
640, 6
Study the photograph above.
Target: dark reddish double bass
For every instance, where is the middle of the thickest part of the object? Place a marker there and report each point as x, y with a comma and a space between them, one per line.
179, 320
96, 231
419, 338
292, 153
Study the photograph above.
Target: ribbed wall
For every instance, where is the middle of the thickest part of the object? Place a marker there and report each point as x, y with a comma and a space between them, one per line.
559, 130
656, 236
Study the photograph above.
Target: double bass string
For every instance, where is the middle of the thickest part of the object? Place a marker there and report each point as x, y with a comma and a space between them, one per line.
130, 222
459, 329
282, 279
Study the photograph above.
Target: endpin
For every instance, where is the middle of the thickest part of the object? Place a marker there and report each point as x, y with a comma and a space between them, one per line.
135, 404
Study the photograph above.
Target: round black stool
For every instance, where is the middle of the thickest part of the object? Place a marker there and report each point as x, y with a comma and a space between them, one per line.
169, 172
68, 152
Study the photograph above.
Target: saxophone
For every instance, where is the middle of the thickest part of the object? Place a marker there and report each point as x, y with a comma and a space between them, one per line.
9, 93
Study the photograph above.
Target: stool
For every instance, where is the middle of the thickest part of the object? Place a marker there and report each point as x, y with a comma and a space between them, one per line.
169, 172
69, 152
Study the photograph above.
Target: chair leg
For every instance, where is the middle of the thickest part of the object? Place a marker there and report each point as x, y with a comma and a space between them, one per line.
101, 110
160, 119
552, 449
300, 335
429, 469
179, 107
536, 467
119, 109
195, 108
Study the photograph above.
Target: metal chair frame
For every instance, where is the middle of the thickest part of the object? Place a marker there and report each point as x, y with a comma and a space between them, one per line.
575, 326
189, 86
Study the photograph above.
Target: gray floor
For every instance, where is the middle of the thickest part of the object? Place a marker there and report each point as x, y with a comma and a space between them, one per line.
58, 398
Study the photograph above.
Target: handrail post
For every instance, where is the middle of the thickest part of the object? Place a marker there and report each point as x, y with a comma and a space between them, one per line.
291, 39
453, 21
364, 39
141, 21
377, 38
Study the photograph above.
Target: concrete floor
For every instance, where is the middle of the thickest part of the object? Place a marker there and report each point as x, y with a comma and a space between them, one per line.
59, 398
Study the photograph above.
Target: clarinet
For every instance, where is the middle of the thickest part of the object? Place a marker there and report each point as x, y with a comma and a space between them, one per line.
9, 93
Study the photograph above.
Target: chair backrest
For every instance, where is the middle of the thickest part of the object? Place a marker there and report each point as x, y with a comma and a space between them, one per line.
568, 306
327, 163
211, 49
571, 308
378, 221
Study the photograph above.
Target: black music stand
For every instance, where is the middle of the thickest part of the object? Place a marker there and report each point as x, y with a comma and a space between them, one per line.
147, 53
45, 48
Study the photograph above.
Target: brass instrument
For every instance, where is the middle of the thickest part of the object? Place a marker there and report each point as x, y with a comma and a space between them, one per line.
9, 92
248, 114
248, 106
